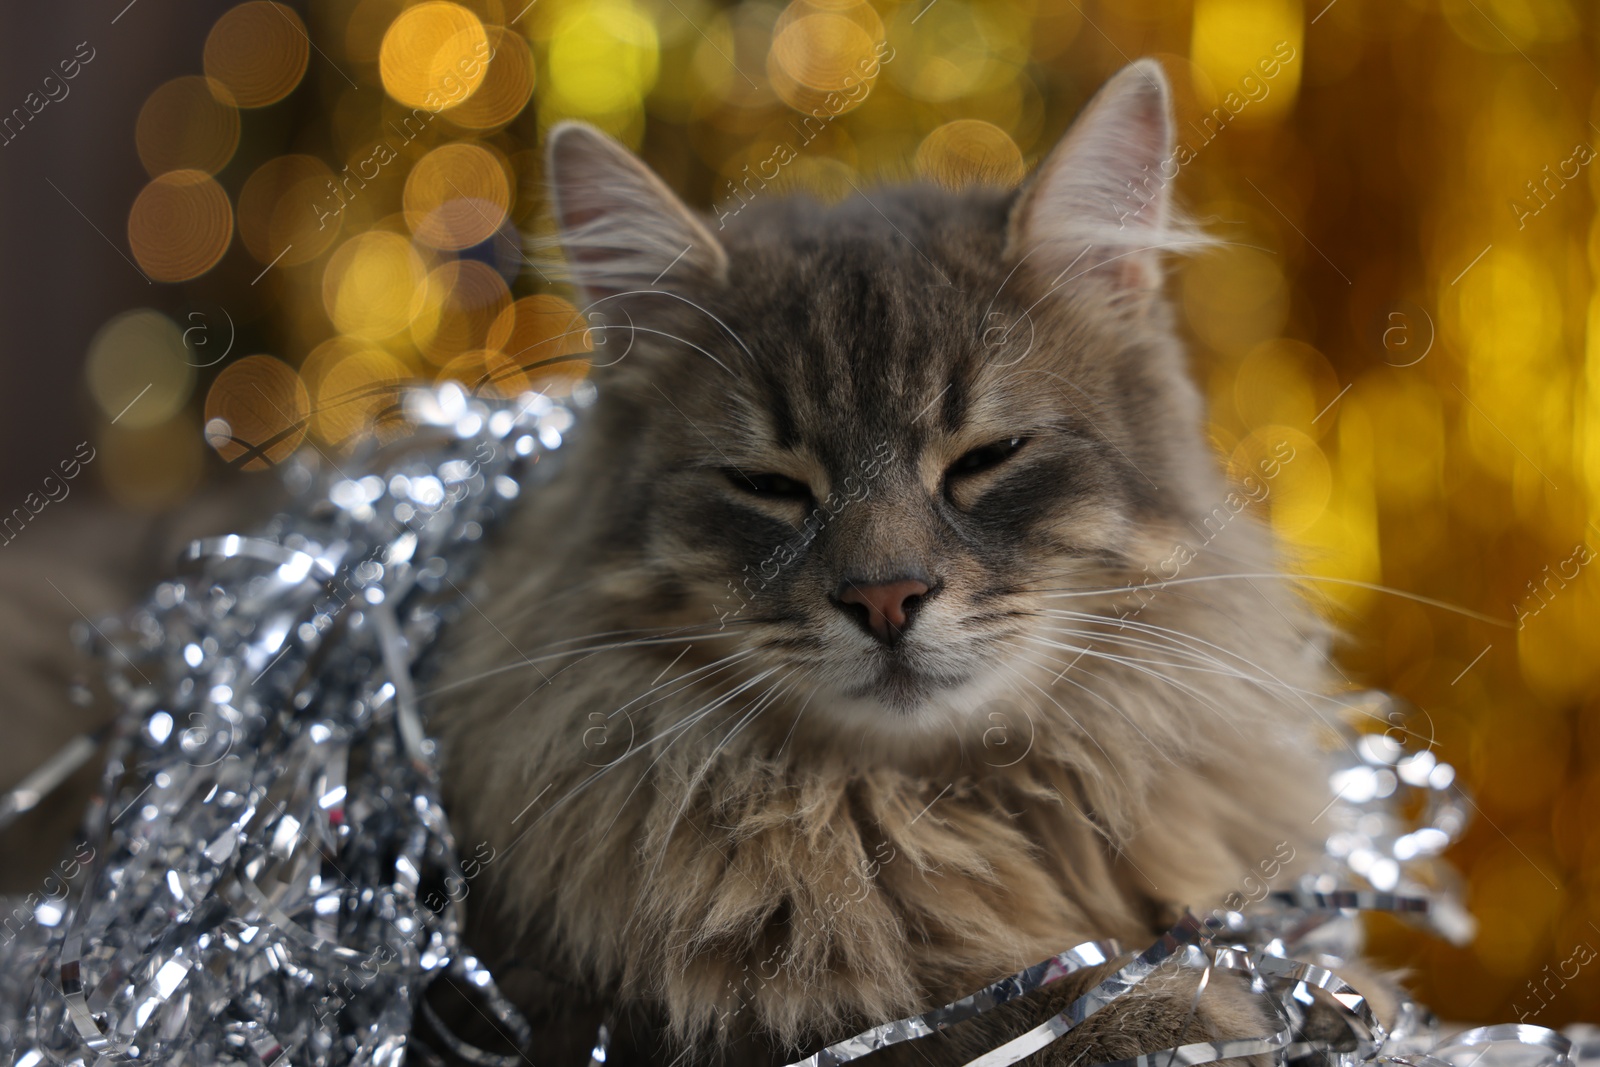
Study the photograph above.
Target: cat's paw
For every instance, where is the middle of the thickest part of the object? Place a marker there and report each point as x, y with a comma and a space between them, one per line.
1163, 1013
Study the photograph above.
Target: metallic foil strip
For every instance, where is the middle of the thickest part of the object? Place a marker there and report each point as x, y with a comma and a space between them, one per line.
268, 822
1346, 996
26, 794
1354, 900
1189, 930
1557, 1044
1088, 954
1208, 1051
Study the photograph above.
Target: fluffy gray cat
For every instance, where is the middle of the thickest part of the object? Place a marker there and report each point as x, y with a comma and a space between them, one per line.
888, 628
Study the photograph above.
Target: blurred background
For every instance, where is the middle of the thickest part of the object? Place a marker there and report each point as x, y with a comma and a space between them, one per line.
230, 232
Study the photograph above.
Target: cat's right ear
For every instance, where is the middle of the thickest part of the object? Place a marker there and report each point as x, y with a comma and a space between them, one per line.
622, 229
1100, 205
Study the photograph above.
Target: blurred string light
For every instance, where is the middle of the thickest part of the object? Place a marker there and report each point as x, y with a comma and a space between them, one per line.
970, 150
256, 411
456, 196
1381, 311
433, 52
137, 371
279, 217
258, 51
180, 225
190, 123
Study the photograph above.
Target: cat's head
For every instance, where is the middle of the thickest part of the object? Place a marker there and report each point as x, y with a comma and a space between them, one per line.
866, 441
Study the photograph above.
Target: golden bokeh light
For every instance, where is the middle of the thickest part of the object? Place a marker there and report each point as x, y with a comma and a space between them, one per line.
434, 56
1236, 43
457, 196
180, 225
954, 48
1283, 381
289, 210
506, 88
139, 370
540, 335
970, 151
825, 57
356, 386
256, 412
259, 51
373, 285
189, 123
603, 58
1239, 301
463, 300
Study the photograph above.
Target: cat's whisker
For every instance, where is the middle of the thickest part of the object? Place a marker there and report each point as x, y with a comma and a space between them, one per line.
680, 297
1179, 638
534, 661
805, 672
1271, 576
670, 733
634, 328
1001, 288
1185, 637
1221, 667
679, 729
1073, 718
1150, 668
1107, 657
750, 712
684, 683
1087, 636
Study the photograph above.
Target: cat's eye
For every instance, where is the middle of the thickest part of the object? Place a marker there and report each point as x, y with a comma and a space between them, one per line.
986, 458
772, 485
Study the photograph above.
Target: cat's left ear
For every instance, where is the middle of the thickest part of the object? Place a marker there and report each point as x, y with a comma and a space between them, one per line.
1100, 204
622, 228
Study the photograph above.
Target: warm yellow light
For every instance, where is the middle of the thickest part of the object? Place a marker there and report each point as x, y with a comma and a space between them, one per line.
949, 50
372, 286
354, 390
463, 300
434, 56
457, 196
256, 412
1251, 52
1236, 298
825, 59
290, 210
259, 50
970, 150
603, 57
506, 87
540, 335
180, 225
187, 124
486, 372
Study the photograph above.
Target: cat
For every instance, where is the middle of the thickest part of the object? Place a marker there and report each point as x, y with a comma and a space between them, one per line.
883, 630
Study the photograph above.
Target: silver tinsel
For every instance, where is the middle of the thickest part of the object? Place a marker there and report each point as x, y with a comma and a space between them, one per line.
264, 875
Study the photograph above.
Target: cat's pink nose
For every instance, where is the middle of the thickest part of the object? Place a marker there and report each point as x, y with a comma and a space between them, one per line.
884, 609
